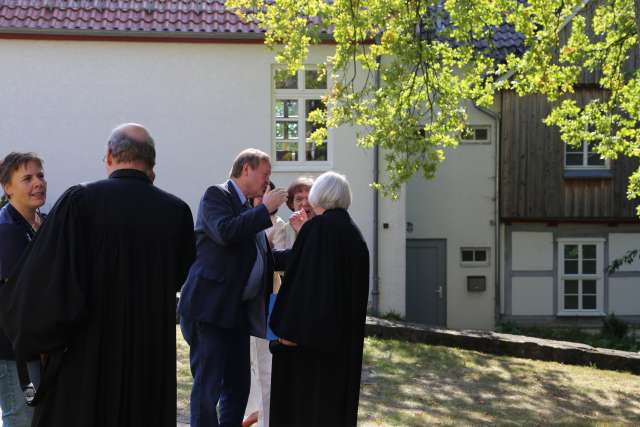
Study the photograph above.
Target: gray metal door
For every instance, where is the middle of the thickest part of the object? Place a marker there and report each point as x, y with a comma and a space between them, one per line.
426, 281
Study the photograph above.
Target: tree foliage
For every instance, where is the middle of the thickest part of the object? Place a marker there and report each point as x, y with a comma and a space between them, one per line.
435, 58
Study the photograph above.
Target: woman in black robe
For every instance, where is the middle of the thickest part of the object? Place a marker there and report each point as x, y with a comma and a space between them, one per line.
320, 316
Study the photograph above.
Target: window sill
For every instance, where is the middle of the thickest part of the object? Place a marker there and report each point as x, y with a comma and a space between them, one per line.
298, 167
474, 264
581, 314
588, 174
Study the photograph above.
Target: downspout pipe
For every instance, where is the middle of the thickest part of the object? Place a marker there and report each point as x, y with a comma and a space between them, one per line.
375, 291
498, 253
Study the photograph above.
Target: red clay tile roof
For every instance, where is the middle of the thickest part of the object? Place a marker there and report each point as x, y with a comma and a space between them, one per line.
142, 17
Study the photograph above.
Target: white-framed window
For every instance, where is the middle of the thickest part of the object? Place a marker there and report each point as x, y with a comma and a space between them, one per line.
294, 97
476, 134
581, 276
583, 157
474, 257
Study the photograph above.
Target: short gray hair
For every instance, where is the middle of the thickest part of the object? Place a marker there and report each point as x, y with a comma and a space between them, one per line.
127, 148
330, 190
251, 156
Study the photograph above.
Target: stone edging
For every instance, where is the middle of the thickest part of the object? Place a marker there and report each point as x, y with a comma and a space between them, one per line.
507, 345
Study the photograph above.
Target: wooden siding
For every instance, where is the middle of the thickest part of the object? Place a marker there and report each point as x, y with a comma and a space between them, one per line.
532, 183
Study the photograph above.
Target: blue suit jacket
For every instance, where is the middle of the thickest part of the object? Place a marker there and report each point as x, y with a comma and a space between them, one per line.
226, 252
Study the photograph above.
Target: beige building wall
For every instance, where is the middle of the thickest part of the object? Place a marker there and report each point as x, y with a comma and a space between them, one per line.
459, 206
202, 102
393, 254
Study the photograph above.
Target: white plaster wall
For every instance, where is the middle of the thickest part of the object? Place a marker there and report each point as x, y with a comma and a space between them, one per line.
531, 251
620, 244
393, 254
203, 103
532, 296
458, 205
624, 295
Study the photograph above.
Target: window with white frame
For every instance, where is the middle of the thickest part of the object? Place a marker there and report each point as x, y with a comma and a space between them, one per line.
476, 135
581, 276
583, 157
474, 257
295, 97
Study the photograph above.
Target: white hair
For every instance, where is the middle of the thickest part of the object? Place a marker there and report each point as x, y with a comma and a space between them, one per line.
330, 190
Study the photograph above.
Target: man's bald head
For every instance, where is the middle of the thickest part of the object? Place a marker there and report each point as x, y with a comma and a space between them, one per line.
132, 143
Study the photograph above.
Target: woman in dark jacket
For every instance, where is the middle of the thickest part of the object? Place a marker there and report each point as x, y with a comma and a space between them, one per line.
23, 183
320, 315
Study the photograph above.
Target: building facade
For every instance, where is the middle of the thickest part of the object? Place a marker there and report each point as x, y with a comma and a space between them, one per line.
515, 226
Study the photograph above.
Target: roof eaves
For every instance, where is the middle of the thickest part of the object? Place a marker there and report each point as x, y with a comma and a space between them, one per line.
133, 34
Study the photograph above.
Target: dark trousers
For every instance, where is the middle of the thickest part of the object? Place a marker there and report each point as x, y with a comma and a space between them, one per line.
221, 373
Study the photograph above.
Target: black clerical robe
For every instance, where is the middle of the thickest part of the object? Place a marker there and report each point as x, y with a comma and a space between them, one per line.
97, 293
322, 307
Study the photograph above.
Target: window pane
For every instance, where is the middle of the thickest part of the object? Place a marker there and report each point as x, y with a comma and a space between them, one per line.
588, 267
570, 287
316, 152
573, 149
589, 287
311, 128
588, 302
481, 255
286, 151
292, 130
574, 159
313, 104
468, 134
311, 80
467, 256
571, 252
285, 81
594, 159
292, 108
589, 251
571, 267
286, 108
482, 134
571, 302
279, 108
280, 130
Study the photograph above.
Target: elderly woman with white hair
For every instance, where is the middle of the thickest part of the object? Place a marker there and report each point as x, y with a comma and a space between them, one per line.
319, 316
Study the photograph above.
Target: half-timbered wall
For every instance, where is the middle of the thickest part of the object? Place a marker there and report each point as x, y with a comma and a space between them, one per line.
533, 180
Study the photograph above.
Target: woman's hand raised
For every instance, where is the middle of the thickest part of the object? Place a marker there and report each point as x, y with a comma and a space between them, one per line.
298, 219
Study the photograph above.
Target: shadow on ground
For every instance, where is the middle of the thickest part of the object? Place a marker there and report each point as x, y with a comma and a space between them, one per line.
417, 385
409, 384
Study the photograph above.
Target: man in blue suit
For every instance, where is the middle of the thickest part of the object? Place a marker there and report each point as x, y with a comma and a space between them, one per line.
225, 297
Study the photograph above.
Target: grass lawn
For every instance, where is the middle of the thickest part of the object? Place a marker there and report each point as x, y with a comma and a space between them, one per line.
421, 385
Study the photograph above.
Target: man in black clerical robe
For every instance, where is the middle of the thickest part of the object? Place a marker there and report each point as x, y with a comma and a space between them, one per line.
321, 307
96, 296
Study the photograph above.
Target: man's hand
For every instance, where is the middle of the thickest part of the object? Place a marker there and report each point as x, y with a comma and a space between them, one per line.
298, 219
272, 199
287, 342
